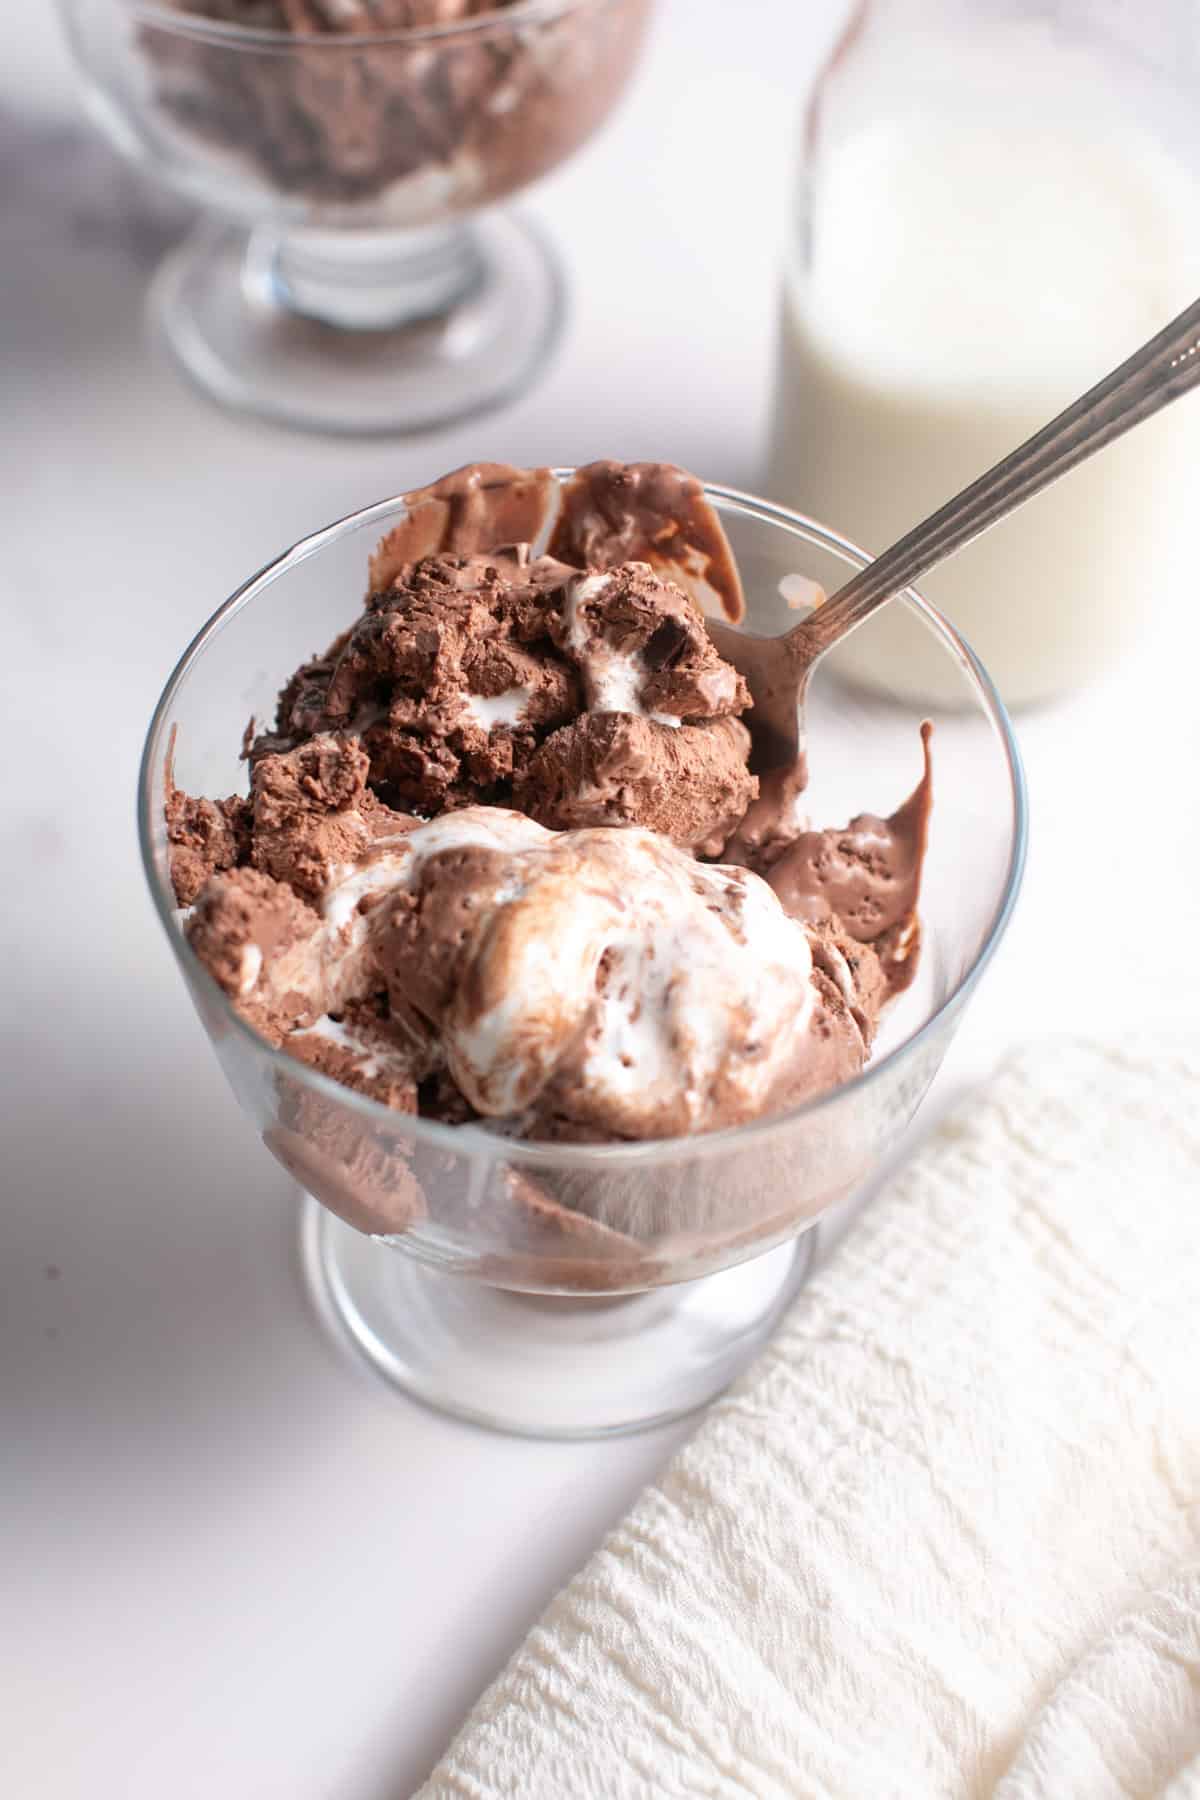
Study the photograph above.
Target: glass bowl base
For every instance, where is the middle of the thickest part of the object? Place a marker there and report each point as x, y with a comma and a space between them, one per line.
545, 1366
257, 338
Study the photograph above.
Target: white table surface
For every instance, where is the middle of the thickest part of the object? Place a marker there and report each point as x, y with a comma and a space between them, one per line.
231, 1562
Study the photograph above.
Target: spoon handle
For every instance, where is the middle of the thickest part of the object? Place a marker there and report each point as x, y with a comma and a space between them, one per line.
1162, 370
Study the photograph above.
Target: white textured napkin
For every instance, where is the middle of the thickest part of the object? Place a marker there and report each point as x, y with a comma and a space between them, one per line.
944, 1537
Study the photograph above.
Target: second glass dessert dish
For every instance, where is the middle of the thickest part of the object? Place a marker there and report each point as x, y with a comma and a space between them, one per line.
567, 1093
354, 273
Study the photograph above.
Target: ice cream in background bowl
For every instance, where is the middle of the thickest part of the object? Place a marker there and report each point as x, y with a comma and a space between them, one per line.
443, 870
356, 272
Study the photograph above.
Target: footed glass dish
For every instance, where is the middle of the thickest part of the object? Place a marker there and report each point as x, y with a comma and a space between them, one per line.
577, 1290
354, 273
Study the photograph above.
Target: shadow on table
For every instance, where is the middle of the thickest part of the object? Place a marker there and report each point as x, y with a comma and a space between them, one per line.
80, 232
167, 1326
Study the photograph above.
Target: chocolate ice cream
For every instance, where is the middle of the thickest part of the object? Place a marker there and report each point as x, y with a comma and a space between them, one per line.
510, 678
418, 107
205, 836
598, 983
613, 768
866, 878
470, 878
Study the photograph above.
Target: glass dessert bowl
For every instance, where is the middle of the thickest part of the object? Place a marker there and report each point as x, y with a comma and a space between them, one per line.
575, 1289
355, 275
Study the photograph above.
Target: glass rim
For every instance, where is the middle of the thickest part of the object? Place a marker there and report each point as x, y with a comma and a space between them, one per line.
259, 37
472, 1139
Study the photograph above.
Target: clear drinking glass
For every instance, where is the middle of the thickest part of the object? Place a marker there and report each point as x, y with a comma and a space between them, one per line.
995, 205
579, 1290
354, 275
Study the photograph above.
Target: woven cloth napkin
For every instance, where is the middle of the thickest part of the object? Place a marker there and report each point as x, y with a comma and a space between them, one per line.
944, 1537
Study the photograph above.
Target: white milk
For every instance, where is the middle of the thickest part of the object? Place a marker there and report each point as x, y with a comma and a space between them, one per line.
970, 276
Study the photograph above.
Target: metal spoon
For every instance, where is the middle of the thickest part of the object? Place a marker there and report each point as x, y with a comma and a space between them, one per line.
777, 669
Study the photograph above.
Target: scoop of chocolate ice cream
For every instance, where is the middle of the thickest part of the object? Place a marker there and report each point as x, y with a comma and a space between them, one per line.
594, 984
505, 678
257, 939
640, 643
691, 783
306, 813
205, 836
449, 680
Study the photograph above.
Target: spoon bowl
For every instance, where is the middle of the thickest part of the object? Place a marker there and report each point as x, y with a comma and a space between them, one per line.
777, 669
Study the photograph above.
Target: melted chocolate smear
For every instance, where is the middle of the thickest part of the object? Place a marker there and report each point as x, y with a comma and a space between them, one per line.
608, 513
484, 506
867, 875
614, 513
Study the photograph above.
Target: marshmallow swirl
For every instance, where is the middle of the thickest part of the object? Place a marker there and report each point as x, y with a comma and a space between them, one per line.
602, 976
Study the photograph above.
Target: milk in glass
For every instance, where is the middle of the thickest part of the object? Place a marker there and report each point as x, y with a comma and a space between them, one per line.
986, 227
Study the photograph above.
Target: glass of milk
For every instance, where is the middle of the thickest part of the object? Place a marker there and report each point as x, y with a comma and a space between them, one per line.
998, 201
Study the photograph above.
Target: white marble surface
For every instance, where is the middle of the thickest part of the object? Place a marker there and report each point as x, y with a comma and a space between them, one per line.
231, 1563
